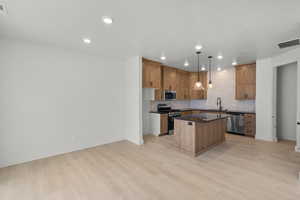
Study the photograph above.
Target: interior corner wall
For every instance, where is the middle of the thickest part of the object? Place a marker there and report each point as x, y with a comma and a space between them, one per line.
132, 95
54, 101
264, 98
265, 69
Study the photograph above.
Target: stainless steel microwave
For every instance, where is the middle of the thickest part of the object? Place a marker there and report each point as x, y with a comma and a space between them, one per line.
169, 95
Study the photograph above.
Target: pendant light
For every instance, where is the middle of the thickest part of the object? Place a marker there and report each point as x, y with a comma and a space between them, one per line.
198, 84
209, 72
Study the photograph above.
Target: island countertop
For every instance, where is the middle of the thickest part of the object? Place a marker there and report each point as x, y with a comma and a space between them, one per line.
203, 117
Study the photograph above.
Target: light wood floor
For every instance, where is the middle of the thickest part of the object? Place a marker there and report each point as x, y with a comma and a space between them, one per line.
241, 168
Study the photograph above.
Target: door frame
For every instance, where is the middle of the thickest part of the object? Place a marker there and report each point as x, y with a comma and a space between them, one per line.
274, 104
277, 61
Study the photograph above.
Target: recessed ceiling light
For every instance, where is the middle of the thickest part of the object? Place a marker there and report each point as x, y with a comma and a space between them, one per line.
87, 40
203, 68
220, 57
234, 63
219, 68
107, 20
163, 58
198, 47
186, 63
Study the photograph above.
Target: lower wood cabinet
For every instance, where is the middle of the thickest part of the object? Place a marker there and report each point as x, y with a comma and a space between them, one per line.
195, 138
164, 124
250, 124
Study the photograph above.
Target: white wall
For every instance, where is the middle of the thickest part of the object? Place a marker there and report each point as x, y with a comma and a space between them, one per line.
264, 100
54, 101
132, 100
224, 87
265, 118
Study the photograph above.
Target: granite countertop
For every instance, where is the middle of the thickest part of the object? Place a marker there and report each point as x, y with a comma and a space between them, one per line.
203, 117
209, 110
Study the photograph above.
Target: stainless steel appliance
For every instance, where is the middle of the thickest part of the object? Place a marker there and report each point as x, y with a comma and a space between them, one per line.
171, 117
172, 113
169, 95
163, 108
236, 123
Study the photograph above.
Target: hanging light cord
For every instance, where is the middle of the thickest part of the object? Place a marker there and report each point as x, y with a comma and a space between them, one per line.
198, 68
209, 65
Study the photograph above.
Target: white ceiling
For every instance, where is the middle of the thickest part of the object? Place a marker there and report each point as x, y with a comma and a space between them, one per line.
239, 29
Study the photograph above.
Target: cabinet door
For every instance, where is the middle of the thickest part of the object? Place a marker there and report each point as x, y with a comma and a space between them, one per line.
250, 127
245, 82
179, 83
163, 124
187, 141
186, 85
158, 95
156, 75
182, 85
169, 78
151, 74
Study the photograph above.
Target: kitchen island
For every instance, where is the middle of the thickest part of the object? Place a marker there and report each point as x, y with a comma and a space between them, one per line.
198, 133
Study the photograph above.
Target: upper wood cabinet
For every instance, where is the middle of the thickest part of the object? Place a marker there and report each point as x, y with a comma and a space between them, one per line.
198, 94
152, 74
169, 78
182, 88
245, 82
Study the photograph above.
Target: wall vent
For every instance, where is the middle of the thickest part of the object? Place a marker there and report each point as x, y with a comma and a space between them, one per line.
3, 10
290, 43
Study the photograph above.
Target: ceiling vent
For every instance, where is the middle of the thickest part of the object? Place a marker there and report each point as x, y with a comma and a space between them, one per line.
3, 10
290, 43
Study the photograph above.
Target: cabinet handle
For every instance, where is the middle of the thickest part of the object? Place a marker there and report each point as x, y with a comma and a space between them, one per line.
190, 123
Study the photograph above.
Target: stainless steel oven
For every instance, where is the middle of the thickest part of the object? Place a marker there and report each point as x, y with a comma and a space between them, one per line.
171, 117
169, 95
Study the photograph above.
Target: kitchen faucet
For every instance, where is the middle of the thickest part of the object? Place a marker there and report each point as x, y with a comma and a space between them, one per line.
219, 103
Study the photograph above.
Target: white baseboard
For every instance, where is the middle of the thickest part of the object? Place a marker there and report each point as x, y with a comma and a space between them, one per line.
267, 139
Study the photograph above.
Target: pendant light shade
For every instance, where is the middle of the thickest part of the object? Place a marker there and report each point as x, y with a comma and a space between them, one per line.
198, 84
210, 85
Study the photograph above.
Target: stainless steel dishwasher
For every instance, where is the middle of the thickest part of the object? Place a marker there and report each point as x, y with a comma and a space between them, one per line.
236, 123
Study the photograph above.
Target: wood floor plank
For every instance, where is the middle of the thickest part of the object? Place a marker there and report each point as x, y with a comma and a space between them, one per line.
241, 168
